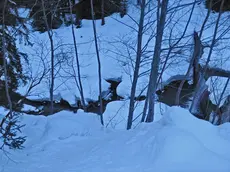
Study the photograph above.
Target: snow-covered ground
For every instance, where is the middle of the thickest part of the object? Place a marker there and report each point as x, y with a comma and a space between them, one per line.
117, 42
69, 142
64, 82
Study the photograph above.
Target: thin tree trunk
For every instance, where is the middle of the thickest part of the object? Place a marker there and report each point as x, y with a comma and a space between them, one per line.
77, 59
137, 65
206, 19
156, 60
4, 50
214, 36
50, 35
197, 53
148, 89
99, 62
170, 50
145, 107
192, 108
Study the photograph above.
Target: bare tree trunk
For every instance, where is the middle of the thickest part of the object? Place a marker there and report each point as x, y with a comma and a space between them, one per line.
145, 107
77, 59
156, 59
148, 89
102, 12
195, 97
50, 35
197, 53
144, 114
172, 47
4, 51
137, 65
99, 62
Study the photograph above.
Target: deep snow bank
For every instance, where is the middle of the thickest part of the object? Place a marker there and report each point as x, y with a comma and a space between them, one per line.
77, 143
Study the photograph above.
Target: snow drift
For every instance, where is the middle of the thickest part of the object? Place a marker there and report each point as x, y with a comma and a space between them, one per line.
69, 142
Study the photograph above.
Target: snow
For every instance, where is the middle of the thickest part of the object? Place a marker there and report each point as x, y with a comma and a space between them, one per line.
175, 78
115, 39
76, 142
67, 142
87, 56
115, 115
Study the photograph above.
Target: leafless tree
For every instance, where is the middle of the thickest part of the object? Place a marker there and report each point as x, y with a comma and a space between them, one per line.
80, 87
99, 62
161, 17
137, 64
193, 107
197, 53
50, 35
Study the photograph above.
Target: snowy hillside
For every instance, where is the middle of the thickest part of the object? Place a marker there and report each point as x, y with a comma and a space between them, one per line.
115, 38
107, 35
76, 143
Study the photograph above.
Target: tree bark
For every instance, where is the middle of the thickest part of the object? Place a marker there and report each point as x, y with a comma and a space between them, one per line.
77, 59
98, 61
137, 65
201, 78
194, 63
156, 60
50, 35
